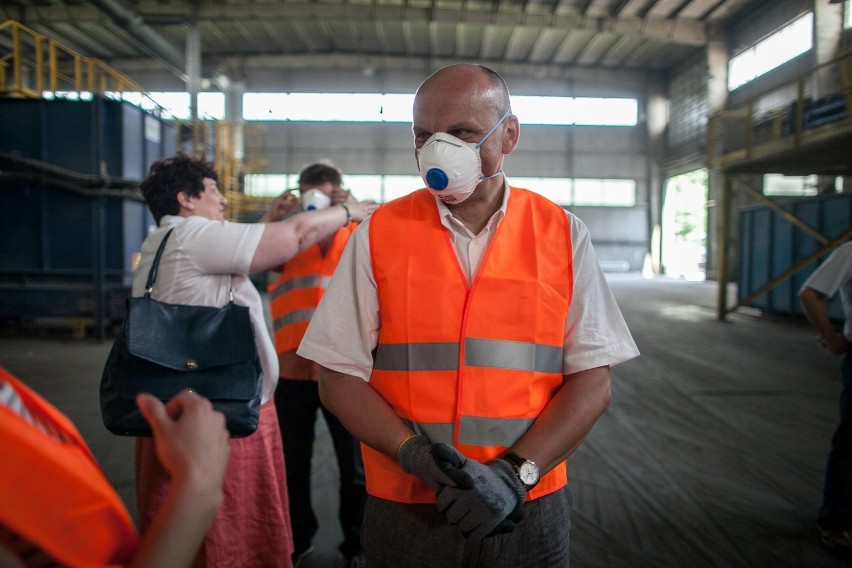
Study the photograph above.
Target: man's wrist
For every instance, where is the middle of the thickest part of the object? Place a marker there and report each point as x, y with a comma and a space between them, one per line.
826, 339
403, 442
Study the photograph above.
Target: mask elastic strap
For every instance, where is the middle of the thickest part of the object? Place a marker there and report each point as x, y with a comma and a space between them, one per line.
493, 128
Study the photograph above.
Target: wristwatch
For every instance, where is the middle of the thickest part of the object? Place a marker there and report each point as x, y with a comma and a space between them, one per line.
525, 469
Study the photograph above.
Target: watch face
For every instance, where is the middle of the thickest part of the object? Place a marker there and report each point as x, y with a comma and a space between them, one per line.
528, 473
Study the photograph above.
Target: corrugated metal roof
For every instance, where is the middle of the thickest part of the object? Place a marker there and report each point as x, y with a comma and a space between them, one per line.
551, 35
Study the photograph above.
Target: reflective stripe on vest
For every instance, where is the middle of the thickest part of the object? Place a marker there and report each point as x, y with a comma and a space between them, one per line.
478, 352
311, 281
54, 493
297, 292
474, 367
498, 354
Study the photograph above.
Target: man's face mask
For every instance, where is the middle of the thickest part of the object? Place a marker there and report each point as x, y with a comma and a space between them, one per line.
451, 167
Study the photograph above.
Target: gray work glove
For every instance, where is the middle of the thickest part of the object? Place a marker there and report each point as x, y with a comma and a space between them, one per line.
487, 499
415, 458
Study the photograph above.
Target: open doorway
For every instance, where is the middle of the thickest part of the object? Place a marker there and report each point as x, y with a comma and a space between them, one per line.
684, 230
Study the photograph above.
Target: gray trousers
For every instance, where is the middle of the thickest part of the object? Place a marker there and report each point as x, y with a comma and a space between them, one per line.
396, 535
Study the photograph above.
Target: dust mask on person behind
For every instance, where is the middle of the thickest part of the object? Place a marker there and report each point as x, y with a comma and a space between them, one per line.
452, 168
314, 199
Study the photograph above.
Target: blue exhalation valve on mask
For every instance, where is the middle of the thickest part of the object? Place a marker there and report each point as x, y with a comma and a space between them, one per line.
437, 179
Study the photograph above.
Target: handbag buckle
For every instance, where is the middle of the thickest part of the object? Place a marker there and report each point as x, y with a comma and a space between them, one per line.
191, 364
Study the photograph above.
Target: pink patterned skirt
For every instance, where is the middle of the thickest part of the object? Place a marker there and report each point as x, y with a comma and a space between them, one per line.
252, 529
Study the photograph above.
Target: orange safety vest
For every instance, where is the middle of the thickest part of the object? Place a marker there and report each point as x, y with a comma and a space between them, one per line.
471, 367
52, 491
293, 298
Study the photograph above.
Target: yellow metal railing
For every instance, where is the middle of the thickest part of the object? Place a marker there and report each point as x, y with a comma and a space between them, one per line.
34, 63
216, 141
777, 116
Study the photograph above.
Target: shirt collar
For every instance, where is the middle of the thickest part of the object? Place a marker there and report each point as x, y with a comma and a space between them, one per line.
449, 221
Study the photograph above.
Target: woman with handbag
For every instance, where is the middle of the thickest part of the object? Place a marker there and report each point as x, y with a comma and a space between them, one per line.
205, 261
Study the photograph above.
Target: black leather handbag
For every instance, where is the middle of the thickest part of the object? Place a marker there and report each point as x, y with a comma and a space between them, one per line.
165, 348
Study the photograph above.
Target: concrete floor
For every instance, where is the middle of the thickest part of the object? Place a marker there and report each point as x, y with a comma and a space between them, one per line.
711, 454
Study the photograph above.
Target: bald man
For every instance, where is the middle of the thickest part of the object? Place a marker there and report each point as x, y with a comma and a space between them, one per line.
466, 340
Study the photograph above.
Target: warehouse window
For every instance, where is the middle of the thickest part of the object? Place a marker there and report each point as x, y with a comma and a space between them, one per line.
366, 107
558, 190
790, 41
211, 105
781, 185
581, 111
563, 191
607, 192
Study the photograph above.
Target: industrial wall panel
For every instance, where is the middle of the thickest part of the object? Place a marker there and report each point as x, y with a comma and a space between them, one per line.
21, 244
782, 298
610, 139
152, 140
58, 246
132, 142
756, 259
137, 223
112, 146
169, 133
689, 107
93, 137
67, 225
619, 235
71, 136
22, 128
769, 245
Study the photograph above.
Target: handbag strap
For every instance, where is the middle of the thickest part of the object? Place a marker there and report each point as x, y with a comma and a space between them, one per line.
152, 274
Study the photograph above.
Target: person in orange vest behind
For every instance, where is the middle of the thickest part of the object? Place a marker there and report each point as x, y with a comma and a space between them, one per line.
466, 339
58, 508
293, 297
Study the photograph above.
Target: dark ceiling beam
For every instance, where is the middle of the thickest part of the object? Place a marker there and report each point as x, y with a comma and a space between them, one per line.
616, 10
683, 31
152, 41
680, 8
584, 9
424, 64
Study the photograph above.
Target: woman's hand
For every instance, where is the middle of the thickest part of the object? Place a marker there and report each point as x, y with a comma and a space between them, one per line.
280, 208
360, 210
340, 195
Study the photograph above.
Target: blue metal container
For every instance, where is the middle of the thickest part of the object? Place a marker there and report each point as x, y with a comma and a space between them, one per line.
769, 245
71, 214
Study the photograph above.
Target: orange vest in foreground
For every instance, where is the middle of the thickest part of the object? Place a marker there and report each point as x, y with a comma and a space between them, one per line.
52, 491
474, 366
293, 298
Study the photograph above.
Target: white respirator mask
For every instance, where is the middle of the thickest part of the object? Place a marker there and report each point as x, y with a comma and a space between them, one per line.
314, 199
452, 168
